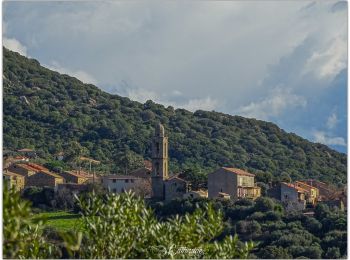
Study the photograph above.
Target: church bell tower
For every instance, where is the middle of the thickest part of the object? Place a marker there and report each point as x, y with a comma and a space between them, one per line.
159, 162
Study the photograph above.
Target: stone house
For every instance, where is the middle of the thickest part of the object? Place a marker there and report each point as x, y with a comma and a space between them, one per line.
312, 193
44, 178
26, 169
325, 191
23, 169
14, 180
235, 182
76, 177
175, 187
293, 197
121, 183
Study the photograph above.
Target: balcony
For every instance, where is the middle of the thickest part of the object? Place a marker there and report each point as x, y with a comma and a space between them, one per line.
249, 192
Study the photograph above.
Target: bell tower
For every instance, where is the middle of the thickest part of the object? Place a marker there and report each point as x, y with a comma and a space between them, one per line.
159, 162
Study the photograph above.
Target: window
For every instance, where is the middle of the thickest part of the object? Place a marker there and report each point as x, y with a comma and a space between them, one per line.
114, 190
114, 180
126, 180
158, 147
132, 181
157, 168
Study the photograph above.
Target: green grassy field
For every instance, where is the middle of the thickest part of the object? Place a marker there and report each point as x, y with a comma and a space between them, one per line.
60, 220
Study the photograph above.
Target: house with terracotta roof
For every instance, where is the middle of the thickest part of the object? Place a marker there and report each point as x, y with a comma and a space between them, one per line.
14, 180
44, 178
36, 175
312, 193
23, 169
235, 182
77, 177
293, 197
326, 192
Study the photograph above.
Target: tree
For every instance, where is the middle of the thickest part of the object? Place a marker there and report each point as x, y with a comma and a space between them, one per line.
321, 211
73, 151
127, 160
333, 253
120, 226
274, 252
21, 237
196, 176
313, 225
264, 204
285, 177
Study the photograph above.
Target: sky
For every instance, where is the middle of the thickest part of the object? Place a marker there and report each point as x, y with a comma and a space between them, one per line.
278, 61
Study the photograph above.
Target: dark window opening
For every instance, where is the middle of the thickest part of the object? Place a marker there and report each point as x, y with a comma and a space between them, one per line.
157, 168
158, 147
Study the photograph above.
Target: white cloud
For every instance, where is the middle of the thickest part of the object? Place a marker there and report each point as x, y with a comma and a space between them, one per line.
142, 95
14, 45
323, 138
79, 74
274, 105
199, 104
327, 63
332, 121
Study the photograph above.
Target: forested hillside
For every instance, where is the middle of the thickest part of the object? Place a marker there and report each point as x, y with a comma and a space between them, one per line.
51, 112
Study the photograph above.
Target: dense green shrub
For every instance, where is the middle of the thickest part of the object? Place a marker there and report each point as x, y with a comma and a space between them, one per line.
65, 114
121, 226
21, 237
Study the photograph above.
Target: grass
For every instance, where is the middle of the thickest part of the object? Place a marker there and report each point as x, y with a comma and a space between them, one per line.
60, 220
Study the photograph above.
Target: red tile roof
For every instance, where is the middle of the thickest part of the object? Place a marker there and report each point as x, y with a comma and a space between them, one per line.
299, 189
27, 167
38, 167
305, 184
238, 171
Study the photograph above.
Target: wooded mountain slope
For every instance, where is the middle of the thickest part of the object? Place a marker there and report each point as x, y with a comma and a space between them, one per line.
46, 111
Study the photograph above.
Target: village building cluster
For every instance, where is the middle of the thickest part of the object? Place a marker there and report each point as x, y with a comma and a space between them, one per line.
153, 181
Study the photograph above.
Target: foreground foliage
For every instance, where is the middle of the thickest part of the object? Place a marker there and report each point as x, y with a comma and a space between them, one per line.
276, 233
51, 112
122, 227
22, 238
114, 226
